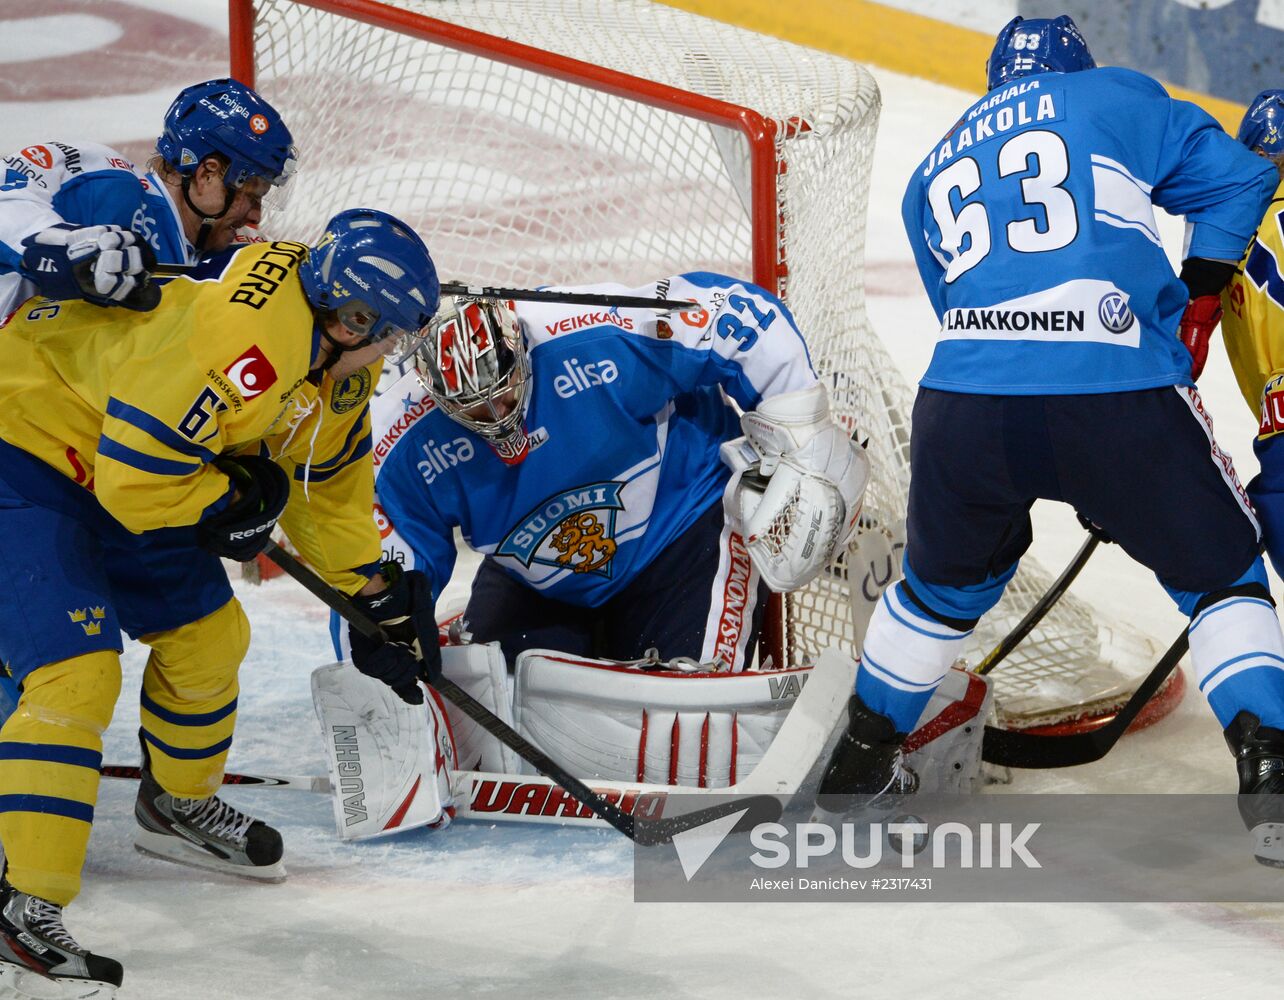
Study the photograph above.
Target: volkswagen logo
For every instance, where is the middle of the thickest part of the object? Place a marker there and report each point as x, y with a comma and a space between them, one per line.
1114, 312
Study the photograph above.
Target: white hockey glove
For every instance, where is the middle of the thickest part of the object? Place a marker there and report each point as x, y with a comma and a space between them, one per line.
105, 265
797, 485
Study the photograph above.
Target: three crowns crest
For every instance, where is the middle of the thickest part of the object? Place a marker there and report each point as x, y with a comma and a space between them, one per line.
81, 617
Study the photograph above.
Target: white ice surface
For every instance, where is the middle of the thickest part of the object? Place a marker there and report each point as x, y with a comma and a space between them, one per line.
543, 912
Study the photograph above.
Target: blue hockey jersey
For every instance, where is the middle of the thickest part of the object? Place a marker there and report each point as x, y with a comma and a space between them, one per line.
87, 184
626, 417
1033, 227
157, 221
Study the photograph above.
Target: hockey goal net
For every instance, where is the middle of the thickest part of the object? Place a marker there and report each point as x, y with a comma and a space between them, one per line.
572, 141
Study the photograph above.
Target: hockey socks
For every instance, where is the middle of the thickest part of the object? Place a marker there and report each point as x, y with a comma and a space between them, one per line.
50, 752
1237, 651
904, 657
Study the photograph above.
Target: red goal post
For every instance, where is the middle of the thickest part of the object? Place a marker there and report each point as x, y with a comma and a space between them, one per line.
760, 132
574, 141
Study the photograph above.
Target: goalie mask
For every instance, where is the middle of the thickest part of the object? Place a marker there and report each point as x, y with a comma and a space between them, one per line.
473, 363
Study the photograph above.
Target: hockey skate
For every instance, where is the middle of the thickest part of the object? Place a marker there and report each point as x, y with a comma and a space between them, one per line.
40, 960
205, 833
867, 763
1259, 757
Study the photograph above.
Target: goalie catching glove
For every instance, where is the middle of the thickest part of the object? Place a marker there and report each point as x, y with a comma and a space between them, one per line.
105, 265
796, 488
406, 612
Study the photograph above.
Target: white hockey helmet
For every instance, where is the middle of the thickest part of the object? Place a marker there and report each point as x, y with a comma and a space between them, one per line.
474, 364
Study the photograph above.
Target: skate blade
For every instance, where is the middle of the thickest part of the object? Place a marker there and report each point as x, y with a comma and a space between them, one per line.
23, 984
166, 848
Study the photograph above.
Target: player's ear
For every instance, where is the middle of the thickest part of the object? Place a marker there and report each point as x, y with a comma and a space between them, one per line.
209, 173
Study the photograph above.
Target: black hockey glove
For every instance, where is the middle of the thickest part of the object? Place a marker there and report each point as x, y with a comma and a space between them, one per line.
242, 529
105, 265
406, 612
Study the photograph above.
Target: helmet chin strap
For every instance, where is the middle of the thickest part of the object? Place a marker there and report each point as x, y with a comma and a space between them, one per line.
207, 220
514, 448
337, 350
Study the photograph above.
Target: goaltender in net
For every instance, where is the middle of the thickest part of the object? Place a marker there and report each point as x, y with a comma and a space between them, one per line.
631, 521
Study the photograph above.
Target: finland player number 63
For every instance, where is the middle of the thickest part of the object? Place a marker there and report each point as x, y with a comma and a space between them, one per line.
1039, 151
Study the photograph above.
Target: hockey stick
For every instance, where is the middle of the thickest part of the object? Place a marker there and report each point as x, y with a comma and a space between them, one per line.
1013, 748
569, 298
521, 294
760, 808
306, 783
1036, 614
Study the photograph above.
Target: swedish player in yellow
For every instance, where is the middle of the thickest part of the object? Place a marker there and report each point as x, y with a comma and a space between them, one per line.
1252, 319
136, 449
1253, 325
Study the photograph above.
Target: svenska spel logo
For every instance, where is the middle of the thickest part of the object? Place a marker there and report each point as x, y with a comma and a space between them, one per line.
252, 373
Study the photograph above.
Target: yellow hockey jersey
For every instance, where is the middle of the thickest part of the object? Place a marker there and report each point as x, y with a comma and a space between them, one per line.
1253, 320
135, 406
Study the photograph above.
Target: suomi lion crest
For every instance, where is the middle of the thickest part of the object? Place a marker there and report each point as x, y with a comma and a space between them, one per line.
572, 530
582, 543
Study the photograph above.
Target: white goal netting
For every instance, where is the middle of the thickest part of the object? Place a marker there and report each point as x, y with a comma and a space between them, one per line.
572, 141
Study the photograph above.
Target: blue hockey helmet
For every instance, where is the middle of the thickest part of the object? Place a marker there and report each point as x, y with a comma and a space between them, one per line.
375, 274
227, 118
1262, 124
1037, 45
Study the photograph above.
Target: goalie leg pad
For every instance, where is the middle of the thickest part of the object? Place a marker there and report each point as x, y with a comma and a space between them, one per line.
481, 671
732, 625
904, 657
611, 720
389, 761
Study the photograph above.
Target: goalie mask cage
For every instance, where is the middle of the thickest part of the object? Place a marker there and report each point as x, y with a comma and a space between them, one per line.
536, 142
